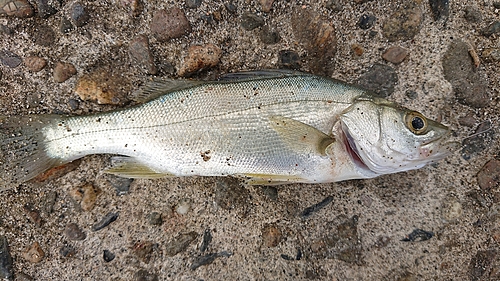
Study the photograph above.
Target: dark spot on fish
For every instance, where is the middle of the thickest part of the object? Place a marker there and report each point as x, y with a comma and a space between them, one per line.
98, 120
205, 155
126, 145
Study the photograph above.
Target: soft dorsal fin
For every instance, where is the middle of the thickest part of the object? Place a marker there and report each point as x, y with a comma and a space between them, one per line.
301, 137
159, 87
259, 74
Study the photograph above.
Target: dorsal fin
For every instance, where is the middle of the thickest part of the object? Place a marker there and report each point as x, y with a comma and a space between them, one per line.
159, 87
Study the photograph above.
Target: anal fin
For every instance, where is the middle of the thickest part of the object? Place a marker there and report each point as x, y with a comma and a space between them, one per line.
129, 167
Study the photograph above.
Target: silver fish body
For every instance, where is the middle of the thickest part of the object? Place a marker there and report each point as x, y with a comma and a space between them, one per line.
274, 127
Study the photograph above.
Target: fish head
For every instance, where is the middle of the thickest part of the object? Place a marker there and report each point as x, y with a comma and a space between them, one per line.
384, 138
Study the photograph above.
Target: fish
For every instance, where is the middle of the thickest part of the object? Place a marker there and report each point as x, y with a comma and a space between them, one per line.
267, 127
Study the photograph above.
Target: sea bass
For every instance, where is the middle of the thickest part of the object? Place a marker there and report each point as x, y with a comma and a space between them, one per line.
269, 127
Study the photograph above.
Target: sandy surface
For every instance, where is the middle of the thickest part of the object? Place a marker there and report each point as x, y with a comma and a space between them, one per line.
358, 236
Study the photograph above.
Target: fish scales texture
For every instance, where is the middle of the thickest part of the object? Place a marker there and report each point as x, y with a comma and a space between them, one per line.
271, 129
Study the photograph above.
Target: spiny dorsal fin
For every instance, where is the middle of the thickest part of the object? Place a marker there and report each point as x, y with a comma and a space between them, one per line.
301, 137
129, 167
159, 87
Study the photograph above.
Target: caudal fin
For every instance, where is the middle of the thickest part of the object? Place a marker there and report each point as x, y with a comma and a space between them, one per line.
22, 149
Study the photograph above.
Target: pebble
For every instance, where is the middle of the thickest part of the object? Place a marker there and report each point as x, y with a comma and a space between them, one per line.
169, 24
268, 36
21, 276
88, 192
207, 239
63, 71
266, 5
135, 7
200, 58
34, 253
343, 244
74, 104
271, 192
183, 206
366, 21
16, 8
33, 213
491, 54
230, 7
440, 9
74, 233
418, 235
67, 251
180, 243
6, 30
230, 194
203, 260
101, 86
10, 59
44, 36
193, 4
79, 14
6, 269
469, 87
357, 50
289, 59
250, 21
411, 94
481, 265
34, 63
121, 185
143, 250
155, 218
108, 256
488, 177
318, 38
105, 221
141, 54
472, 14
380, 78
58, 171
271, 236
496, 5
44, 9
452, 210
493, 28
65, 25
468, 120
316, 207
334, 5
404, 23
395, 54
144, 275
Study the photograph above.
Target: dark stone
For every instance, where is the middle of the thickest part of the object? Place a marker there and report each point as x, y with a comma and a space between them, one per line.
73, 232
230, 7
169, 24
63, 71
66, 25
496, 5
395, 54
10, 59
418, 235
44, 9
481, 263
207, 239
458, 68
488, 177
33, 213
342, 242
121, 185
472, 14
108, 256
203, 260
316, 207
289, 59
318, 38
143, 250
271, 192
155, 218
48, 202
268, 36
6, 269
480, 140
380, 79
6, 30
79, 14
144, 275
404, 23
250, 21
74, 104
411, 94
207, 18
230, 194
366, 21
67, 251
493, 28
440, 9
141, 55
44, 36
334, 5
105, 221
193, 4
180, 243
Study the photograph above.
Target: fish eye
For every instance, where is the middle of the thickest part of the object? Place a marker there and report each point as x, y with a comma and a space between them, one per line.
416, 122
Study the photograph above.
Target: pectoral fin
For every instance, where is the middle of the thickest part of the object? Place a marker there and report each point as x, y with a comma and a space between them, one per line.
129, 167
301, 137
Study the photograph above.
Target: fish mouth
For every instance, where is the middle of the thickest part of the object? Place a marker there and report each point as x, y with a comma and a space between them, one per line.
352, 150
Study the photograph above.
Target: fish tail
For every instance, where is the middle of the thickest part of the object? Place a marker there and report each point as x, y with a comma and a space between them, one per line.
23, 149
